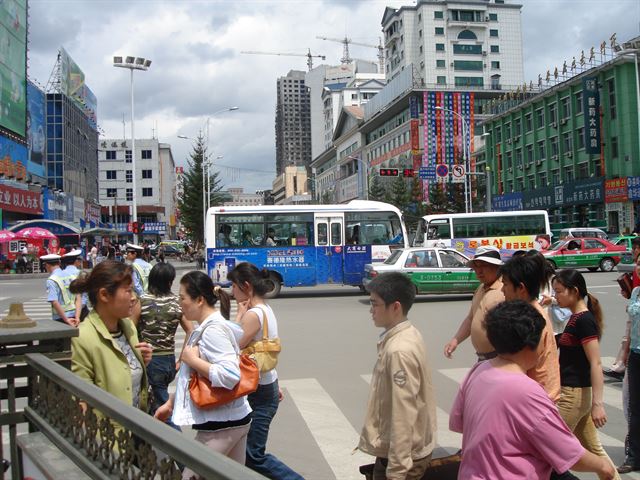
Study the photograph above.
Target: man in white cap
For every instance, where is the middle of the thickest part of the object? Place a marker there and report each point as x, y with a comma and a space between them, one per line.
141, 268
486, 263
63, 303
72, 263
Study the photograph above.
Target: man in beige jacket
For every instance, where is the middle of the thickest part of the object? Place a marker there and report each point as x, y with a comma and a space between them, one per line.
400, 424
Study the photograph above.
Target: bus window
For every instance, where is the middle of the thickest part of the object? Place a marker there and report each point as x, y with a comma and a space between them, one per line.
322, 234
336, 234
439, 230
372, 228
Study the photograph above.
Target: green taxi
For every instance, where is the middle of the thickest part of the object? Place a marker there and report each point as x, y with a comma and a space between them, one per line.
626, 262
432, 270
590, 253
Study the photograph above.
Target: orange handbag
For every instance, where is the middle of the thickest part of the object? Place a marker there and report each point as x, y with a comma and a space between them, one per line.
206, 396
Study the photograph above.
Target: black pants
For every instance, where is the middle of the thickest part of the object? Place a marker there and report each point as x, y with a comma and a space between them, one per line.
633, 372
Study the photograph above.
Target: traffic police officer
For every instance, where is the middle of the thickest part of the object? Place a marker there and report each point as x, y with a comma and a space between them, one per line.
141, 268
72, 263
63, 302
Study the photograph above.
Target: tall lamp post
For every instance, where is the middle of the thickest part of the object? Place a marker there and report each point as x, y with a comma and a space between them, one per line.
133, 63
465, 149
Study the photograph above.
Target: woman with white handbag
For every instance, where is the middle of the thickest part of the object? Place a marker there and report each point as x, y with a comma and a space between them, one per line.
260, 326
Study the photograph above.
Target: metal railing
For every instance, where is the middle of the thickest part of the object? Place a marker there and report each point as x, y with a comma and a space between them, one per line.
108, 439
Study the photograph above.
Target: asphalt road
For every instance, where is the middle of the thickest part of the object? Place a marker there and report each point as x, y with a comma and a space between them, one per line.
329, 348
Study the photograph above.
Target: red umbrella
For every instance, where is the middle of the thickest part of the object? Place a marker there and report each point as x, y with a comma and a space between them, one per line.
35, 232
7, 236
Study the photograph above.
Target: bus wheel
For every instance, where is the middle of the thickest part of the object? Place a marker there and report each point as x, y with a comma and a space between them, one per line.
276, 286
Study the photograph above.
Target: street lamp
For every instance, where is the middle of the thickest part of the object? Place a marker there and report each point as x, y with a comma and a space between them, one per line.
465, 153
133, 63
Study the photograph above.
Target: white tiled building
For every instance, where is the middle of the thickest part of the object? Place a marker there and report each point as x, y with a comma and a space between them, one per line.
475, 43
155, 181
240, 198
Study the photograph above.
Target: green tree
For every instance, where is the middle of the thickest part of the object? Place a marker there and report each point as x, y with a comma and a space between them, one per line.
376, 189
190, 205
399, 194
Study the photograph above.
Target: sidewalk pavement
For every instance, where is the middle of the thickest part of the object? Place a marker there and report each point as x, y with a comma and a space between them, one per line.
178, 265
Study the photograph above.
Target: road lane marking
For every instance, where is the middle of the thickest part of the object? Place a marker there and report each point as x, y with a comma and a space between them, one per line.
331, 430
449, 441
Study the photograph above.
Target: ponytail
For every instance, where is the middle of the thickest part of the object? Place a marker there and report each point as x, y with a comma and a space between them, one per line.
225, 301
108, 274
594, 307
246, 272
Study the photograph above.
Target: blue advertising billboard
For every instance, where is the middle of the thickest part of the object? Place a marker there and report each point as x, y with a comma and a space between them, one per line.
35, 130
13, 159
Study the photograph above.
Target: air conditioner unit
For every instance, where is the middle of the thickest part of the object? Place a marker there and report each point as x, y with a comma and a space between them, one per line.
554, 125
569, 154
554, 157
539, 162
509, 141
451, 64
564, 121
519, 167
516, 139
484, 53
486, 19
529, 165
510, 170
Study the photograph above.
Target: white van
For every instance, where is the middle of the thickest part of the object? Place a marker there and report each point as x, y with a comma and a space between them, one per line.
582, 232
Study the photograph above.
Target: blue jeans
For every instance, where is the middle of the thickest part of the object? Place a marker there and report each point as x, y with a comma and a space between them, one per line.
264, 403
161, 371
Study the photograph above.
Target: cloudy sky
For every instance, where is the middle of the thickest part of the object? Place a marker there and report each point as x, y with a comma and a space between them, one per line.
198, 69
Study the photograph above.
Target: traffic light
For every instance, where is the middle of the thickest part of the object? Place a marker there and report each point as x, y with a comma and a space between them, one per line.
135, 228
140, 227
408, 172
388, 172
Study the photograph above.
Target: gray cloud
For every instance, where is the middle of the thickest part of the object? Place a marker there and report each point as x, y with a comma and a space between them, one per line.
197, 68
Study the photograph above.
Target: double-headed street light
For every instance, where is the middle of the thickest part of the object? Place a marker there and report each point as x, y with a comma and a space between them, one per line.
133, 63
468, 208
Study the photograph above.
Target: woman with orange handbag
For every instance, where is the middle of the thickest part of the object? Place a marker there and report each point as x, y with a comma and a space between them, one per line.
212, 351
249, 286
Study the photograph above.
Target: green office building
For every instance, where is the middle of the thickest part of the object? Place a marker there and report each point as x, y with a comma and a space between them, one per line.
573, 148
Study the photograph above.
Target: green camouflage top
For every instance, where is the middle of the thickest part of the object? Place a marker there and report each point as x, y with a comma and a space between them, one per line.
159, 319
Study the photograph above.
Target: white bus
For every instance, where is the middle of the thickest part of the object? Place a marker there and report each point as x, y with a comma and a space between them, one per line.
508, 231
303, 245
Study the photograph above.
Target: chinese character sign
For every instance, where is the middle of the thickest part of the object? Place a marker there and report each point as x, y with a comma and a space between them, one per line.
591, 108
17, 200
633, 188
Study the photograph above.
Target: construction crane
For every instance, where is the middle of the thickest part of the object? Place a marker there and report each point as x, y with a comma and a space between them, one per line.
309, 56
346, 58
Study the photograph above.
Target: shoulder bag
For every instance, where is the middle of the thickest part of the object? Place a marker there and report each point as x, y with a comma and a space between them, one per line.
265, 352
206, 396
626, 283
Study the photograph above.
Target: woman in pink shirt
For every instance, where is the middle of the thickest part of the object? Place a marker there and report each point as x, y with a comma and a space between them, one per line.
510, 428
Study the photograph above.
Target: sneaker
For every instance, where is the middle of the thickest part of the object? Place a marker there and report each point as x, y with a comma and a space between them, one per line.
613, 374
620, 368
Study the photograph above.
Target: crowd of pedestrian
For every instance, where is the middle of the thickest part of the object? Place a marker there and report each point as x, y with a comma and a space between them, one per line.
530, 407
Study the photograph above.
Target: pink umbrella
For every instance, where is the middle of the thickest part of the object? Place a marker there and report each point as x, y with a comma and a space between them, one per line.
7, 236
35, 232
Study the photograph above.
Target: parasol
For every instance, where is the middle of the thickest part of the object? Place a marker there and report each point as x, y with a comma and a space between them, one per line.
35, 232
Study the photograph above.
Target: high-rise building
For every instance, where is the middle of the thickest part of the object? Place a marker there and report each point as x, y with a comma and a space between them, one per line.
475, 43
334, 78
72, 144
293, 122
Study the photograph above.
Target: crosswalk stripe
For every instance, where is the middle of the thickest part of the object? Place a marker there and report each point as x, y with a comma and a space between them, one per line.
450, 441
331, 430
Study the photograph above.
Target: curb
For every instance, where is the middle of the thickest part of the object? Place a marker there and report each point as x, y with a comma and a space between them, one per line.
21, 276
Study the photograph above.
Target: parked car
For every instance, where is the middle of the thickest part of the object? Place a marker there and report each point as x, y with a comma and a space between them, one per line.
169, 251
590, 253
582, 232
432, 270
626, 261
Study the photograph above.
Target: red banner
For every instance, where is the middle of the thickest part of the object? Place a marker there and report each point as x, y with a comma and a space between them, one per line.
615, 190
414, 134
23, 201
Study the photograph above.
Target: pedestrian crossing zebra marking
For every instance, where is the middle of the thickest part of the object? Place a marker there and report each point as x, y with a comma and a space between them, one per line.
331, 430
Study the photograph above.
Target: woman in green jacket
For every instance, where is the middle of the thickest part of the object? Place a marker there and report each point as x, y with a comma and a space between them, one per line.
107, 339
